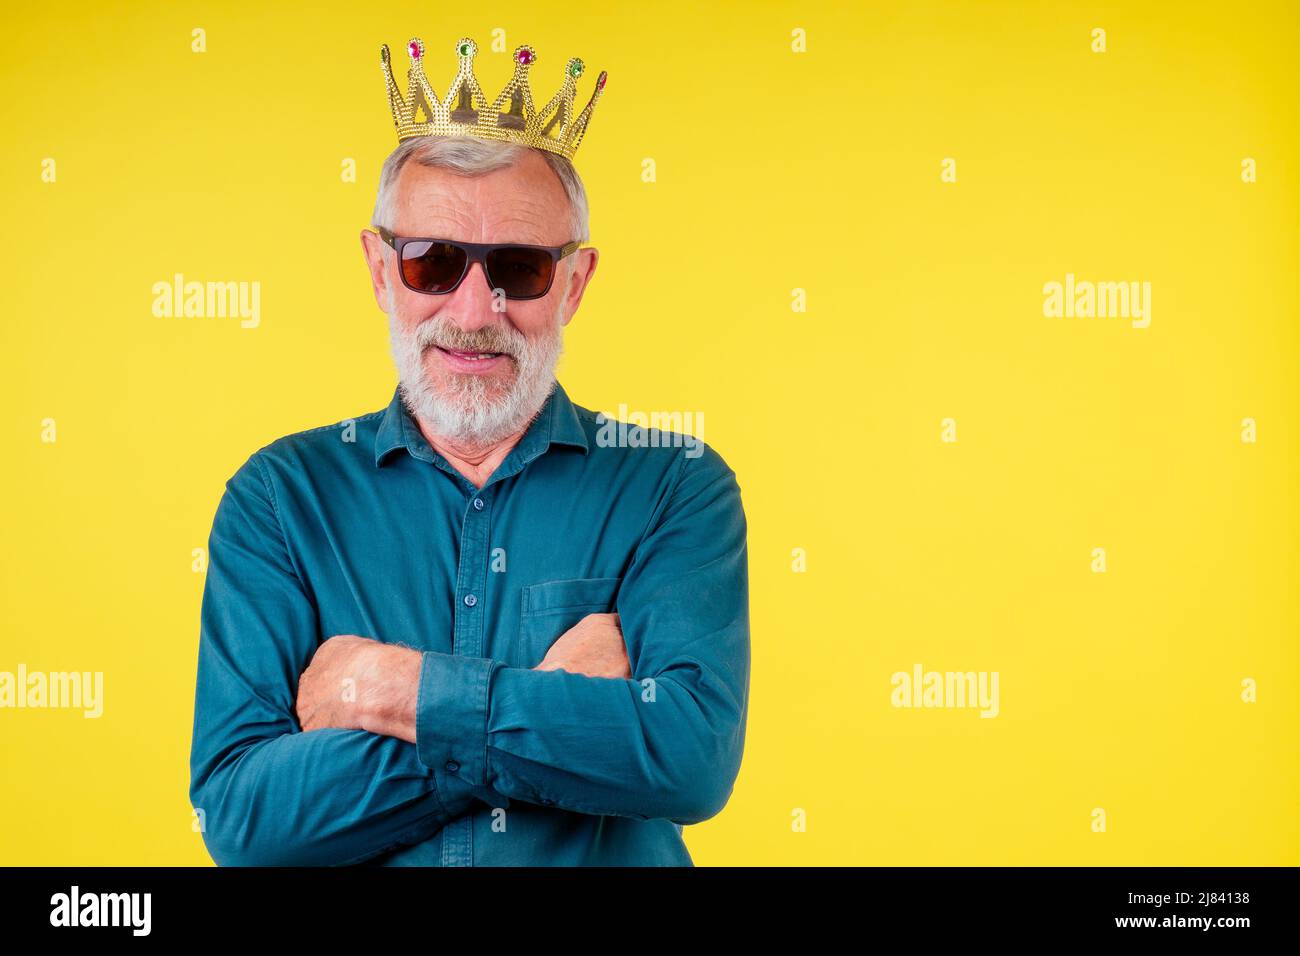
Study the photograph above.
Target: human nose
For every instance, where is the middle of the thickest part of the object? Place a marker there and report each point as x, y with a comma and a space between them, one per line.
472, 301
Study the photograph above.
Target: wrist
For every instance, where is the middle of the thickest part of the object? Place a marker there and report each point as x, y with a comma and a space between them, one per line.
389, 708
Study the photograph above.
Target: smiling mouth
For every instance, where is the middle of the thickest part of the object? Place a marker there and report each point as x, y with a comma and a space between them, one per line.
468, 355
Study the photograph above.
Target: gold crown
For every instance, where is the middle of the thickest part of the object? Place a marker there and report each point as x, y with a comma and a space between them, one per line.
466, 111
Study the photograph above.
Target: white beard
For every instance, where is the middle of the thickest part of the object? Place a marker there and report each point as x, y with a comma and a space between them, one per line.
465, 408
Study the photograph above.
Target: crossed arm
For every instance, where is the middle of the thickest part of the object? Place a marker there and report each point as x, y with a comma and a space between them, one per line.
428, 734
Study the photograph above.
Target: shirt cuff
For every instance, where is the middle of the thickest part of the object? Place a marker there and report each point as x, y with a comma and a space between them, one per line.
451, 718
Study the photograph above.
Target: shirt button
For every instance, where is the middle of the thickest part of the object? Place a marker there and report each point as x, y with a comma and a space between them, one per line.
478, 504
470, 600
452, 766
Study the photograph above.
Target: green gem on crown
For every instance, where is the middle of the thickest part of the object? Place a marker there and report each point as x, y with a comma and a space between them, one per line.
466, 48
575, 67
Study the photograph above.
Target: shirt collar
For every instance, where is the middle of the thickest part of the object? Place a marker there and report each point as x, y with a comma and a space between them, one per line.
556, 423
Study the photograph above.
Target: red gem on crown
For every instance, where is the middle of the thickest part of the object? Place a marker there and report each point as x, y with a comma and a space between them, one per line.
525, 57
413, 48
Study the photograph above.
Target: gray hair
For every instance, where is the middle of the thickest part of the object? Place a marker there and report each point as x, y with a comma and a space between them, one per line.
473, 156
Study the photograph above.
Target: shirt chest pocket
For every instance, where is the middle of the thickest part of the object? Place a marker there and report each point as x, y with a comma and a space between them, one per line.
552, 607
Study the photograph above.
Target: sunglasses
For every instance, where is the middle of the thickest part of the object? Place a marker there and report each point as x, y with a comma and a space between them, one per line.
437, 266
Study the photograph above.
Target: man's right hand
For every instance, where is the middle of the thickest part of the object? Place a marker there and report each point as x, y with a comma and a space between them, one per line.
594, 647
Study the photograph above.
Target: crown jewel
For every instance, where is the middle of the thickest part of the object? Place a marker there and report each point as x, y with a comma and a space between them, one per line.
466, 111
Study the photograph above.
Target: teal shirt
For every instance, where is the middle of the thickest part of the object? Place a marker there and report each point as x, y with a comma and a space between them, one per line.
363, 528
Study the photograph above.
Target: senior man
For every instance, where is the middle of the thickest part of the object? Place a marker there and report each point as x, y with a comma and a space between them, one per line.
462, 630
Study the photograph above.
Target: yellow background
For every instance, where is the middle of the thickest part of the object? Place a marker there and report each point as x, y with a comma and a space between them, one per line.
775, 171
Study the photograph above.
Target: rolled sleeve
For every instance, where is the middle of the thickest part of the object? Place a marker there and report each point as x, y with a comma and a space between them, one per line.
451, 717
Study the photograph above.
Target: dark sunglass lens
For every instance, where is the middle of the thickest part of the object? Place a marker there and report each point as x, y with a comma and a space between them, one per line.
432, 266
520, 273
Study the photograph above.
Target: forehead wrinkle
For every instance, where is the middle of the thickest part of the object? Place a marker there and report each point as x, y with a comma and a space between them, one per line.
527, 206
518, 219
525, 231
